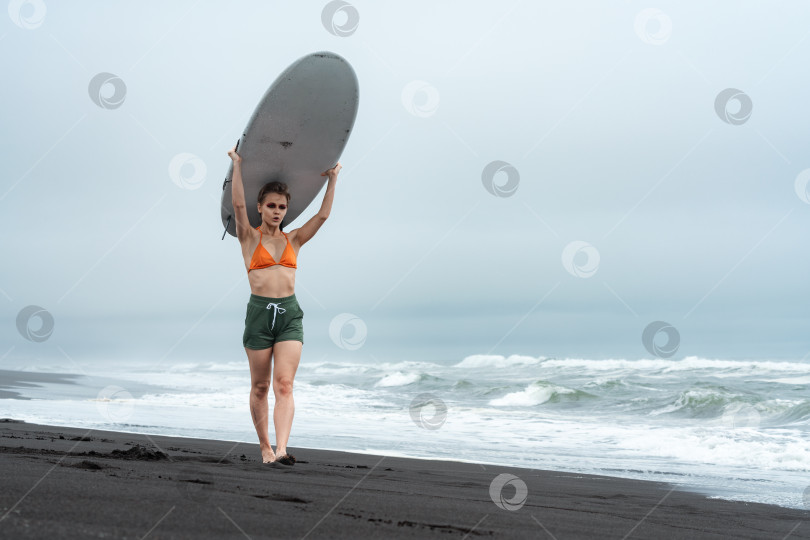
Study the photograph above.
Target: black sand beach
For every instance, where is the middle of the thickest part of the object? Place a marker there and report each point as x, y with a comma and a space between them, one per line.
77, 483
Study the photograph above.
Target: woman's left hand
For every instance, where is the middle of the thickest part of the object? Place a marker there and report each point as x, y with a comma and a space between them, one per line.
333, 171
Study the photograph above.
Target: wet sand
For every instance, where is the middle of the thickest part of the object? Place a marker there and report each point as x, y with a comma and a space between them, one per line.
77, 483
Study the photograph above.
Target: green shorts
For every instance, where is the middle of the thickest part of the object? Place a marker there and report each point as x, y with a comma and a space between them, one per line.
269, 320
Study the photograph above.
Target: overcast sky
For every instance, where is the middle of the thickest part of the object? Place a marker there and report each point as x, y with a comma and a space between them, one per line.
651, 169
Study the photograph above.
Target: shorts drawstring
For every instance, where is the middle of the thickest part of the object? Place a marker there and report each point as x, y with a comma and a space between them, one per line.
278, 310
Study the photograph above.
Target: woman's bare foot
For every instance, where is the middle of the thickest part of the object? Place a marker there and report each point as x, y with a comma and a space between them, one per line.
267, 454
285, 458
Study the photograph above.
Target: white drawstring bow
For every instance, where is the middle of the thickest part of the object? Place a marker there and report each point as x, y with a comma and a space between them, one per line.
278, 310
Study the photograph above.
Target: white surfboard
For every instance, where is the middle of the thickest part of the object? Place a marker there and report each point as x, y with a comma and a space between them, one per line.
298, 130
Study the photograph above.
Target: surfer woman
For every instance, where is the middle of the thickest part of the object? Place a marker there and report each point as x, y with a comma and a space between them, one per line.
273, 324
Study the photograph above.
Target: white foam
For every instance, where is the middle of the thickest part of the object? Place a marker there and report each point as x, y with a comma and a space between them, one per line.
398, 379
534, 394
338, 370
690, 363
496, 360
790, 380
726, 446
406, 365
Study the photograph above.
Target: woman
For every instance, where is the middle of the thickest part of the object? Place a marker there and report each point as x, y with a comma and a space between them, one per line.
273, 324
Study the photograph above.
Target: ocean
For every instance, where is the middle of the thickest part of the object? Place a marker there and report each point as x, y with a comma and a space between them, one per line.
728, 428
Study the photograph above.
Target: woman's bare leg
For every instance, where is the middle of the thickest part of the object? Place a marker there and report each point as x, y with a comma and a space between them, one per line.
260, 365
287, 355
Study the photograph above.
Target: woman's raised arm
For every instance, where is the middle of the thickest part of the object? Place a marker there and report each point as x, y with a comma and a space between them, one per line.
238, 197
308, 229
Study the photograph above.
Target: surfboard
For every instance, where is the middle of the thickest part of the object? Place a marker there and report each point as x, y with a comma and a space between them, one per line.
297, 131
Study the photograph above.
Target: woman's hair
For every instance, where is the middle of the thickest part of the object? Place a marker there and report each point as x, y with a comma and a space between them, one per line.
274, 187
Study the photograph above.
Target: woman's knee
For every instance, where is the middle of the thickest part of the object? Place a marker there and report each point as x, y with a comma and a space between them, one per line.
283, 386
260, 388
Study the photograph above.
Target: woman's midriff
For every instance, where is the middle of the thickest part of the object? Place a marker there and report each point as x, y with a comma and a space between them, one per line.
275, 281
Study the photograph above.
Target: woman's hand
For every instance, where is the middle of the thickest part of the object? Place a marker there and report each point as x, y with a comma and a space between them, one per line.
237, 159
333, 172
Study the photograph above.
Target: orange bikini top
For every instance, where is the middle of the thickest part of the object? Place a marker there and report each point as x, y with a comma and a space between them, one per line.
263, 259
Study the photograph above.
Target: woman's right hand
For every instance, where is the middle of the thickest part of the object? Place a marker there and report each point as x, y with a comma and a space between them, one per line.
237, 159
